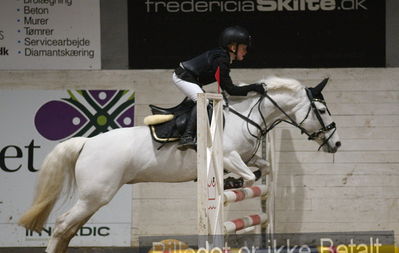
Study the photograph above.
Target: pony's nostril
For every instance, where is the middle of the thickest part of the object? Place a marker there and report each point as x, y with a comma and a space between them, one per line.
338, 144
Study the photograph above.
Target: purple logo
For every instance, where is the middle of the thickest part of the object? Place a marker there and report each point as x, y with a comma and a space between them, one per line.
85, 113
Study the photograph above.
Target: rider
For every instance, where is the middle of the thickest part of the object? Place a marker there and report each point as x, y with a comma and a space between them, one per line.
211, 66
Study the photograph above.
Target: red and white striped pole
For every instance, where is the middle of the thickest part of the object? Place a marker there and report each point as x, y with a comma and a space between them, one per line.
236, 195
247, 221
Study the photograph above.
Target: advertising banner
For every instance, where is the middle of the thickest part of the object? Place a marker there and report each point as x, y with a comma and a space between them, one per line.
32, 123
50, 34
286, 33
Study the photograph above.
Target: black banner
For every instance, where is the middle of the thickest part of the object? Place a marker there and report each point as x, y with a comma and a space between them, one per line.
286, 33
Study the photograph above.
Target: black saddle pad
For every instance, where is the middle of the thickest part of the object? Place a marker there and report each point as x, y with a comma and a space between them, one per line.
169, 131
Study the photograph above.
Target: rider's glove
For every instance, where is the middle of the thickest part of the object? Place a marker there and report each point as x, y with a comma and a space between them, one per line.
258, 87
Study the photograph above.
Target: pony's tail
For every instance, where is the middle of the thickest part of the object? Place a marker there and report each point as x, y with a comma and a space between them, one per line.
57, 167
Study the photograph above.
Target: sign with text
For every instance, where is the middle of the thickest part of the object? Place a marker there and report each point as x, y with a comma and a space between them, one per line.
33, 122
50, 34
286, 33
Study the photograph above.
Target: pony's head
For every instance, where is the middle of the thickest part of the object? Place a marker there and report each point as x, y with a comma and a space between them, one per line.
297, 105
315, 120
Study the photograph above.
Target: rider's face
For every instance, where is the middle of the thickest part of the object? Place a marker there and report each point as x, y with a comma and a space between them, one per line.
241, 52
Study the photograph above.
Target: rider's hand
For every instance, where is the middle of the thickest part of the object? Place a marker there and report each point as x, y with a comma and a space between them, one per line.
258, 87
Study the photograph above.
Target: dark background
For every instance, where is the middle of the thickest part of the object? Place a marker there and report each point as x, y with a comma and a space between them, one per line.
282, 39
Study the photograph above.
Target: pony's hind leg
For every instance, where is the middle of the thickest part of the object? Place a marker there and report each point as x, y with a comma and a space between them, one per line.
96, 185
68, 224
90, 200
60, 243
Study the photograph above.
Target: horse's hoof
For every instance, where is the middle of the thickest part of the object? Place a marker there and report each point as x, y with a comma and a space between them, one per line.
233, 183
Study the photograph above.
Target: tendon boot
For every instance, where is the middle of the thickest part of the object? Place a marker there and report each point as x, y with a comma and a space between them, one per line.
188, 139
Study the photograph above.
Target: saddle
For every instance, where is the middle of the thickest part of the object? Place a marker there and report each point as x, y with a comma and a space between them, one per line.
168, 124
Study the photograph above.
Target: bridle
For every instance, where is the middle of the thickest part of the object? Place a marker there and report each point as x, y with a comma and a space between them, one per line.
324, 128
263, 131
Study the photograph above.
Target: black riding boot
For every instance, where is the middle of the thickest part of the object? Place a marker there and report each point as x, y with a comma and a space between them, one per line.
188, 139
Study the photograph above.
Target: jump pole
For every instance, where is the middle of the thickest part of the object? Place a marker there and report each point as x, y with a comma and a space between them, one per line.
210, 198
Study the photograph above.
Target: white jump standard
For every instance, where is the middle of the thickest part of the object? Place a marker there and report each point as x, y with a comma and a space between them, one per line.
211, 195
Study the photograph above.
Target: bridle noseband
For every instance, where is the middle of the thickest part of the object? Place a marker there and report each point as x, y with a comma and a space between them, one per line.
263, 131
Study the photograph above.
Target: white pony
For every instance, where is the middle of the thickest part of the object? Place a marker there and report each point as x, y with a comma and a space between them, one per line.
100, 165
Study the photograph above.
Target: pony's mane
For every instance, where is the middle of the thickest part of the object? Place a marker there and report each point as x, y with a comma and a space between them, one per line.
274, 83
277, 83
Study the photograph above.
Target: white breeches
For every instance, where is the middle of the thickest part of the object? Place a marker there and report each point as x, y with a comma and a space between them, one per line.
189, 89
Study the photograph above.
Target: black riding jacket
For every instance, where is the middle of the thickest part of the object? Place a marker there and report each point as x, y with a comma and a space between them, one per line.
202, 70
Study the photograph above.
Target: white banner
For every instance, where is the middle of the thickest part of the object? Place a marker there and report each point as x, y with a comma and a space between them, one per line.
50, 34
32, 123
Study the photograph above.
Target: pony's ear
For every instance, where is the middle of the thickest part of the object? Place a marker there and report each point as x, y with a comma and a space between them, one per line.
316, 91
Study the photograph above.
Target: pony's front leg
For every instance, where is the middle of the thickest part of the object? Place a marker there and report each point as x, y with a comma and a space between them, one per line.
260, 163
233, 163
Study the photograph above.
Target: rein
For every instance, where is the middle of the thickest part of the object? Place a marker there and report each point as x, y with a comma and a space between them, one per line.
250, 121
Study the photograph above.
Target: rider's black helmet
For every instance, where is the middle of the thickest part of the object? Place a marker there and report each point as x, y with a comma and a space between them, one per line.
234, 34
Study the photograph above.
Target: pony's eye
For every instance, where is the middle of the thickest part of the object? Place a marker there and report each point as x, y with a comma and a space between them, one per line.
322, 111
